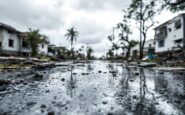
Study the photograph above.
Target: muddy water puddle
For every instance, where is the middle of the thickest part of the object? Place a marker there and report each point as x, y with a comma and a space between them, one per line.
97, 88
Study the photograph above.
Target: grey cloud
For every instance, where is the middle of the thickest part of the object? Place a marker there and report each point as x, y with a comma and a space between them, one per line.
30, 14
92, 5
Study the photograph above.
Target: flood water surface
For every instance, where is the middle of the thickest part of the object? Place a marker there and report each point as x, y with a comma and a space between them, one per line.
96, 88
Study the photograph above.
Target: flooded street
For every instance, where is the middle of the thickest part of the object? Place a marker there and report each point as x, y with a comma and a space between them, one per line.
96, 88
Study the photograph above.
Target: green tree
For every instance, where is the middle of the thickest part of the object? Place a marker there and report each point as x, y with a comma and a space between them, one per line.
115, 47
174, 5
110, 54
89, 53
143, 12
72, 36
35, 38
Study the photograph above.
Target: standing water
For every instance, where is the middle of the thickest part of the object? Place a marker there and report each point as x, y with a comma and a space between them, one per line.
97, 88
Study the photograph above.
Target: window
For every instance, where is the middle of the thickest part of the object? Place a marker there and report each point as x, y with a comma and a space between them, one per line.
178, 41
178, 24
11, 43
169, 29
42, 46
24, 44
150, 45
161, 43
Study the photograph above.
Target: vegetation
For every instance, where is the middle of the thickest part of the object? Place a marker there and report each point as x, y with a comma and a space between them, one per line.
72, 36
89, 53
125, 31
35, 38
143, 12
173, 5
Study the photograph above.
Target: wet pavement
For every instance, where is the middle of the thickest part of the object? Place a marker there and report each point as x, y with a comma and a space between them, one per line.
96, 88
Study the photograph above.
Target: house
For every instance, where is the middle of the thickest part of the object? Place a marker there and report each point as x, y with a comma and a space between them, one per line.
149, 47
54, 50
15, 43
43, 48
9, 40
170, 36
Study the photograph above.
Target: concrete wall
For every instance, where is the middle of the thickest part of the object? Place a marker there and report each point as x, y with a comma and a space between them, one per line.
43, 50
171, 36
5, 36
146, 46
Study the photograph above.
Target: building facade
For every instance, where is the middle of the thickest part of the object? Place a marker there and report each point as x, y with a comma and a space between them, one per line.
170, 36
15, 43
149, 47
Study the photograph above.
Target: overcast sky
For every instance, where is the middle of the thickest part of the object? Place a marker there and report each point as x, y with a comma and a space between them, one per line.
93, 19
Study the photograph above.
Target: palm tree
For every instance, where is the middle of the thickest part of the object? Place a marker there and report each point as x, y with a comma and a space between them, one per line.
89, 52
35, 38
71, 35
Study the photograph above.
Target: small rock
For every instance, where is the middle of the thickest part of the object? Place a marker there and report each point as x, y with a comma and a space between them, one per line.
99, 71
104, 102
38, 76
62, 79
43, 106
4, 82
136, 73
51, 113
109, 113
131, 80
31, 103
134, 97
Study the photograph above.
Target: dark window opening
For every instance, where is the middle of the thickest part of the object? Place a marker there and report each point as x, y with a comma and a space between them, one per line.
169, 29
178, 24
150, 45
42, 46
24, 44
178, 41
162, 32
11, 43
161, 43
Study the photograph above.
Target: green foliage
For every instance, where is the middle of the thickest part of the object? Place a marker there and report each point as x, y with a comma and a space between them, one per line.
143, 12
89, 53
72, 36
35, 38
174, 6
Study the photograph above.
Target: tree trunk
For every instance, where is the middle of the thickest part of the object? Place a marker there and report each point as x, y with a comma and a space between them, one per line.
128, 53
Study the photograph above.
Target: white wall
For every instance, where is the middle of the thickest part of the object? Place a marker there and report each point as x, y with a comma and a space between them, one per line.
171, 36
5, 38
43, 50
146, 46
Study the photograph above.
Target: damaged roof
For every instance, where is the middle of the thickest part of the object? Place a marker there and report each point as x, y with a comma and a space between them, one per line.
8, 27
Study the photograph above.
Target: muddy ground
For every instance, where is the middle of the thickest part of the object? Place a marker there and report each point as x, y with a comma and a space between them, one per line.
96, 88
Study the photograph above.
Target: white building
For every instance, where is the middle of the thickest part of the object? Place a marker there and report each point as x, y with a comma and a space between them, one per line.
170, 35
9, 40
43, 48
15, 43
148, 47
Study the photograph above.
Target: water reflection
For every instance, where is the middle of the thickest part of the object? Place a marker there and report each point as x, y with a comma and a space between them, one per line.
144, 106
172, 87
71, 83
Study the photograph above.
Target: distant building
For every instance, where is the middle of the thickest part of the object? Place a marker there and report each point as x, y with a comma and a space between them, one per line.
149, 47
53, 50
43, 48
170, 35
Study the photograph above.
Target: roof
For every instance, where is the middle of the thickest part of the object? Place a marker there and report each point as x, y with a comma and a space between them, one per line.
8, 27
169, 21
